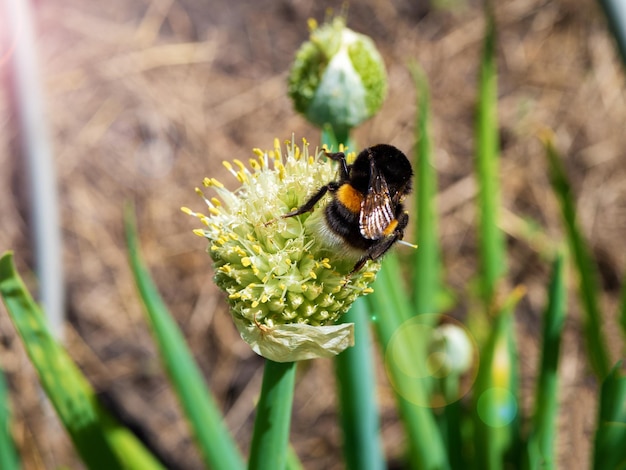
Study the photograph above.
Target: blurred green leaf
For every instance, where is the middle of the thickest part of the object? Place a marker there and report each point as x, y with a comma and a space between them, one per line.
622, 309
609, 450
356, 383
490, 238
214, 440
100, 440
426, 269
293, 462
541, 443
270, 439
496, 421
405, 359
615, 11
9, 459
585, 268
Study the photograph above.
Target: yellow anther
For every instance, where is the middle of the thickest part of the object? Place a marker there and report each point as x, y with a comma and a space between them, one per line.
239, 164
212, 182
368, 290
216, 202
246, 261
312, 24
214, 210
281, 169
313, 275
257, 249
254, 164
258, 152
199, 232
255, 304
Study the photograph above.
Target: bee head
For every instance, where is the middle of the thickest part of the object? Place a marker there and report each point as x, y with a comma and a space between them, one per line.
387, 161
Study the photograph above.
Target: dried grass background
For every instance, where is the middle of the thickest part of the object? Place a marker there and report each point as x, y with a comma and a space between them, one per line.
144, 98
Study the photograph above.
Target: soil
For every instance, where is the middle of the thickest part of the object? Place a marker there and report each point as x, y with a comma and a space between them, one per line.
145, 98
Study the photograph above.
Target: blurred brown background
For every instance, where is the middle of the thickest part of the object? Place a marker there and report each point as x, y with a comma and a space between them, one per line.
144, 98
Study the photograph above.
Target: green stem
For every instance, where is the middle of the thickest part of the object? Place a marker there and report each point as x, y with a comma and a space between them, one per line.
270, 440
354, 370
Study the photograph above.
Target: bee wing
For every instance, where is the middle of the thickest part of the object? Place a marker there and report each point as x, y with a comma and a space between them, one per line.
377, 207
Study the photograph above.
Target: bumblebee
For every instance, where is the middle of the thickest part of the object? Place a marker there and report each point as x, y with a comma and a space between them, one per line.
365, 215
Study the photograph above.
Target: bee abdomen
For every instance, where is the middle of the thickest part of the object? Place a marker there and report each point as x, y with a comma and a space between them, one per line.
345, 223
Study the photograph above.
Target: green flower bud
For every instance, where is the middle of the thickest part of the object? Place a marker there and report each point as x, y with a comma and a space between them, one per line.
338, 77
285, 288
450, 351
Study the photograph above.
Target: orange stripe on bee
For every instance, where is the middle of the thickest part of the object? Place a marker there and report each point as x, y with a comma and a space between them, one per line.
391, 227
350, 197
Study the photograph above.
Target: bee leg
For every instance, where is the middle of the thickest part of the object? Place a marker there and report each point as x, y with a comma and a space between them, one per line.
344, 172
377, 250
310, 204
381, 246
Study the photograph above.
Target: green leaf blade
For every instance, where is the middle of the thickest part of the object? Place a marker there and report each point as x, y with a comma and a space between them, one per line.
101, 442
491, 239
609, 449
358, 410
391, 309
541, 443
212, 436
426, 269
9, 459
585, 268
